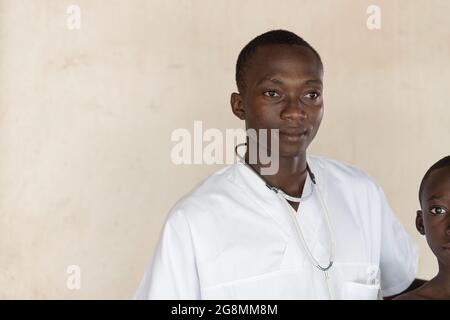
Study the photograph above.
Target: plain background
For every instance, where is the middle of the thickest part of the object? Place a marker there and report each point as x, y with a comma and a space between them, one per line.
86, 117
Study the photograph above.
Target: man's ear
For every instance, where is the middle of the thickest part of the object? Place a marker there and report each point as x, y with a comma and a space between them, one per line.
419, 222
237, 105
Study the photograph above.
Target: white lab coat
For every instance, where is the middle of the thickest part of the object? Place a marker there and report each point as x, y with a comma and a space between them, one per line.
233, 238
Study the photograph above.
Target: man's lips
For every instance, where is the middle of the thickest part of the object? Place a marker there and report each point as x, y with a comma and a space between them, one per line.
446, 246
293, 133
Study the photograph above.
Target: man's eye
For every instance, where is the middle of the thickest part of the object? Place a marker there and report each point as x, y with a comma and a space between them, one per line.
312, 95
438, 210
271, 94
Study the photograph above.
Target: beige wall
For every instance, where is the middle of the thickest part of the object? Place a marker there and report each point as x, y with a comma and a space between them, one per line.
86, 117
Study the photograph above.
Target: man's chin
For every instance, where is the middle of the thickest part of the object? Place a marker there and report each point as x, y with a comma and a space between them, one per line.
287, 150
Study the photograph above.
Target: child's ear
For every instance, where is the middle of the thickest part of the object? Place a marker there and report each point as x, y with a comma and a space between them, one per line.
419, 222
237, 105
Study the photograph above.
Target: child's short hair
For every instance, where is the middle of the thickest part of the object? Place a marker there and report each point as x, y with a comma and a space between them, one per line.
270, 37
444, 162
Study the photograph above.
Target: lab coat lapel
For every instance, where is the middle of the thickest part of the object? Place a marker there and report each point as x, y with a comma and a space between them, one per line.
312, 220
262, 197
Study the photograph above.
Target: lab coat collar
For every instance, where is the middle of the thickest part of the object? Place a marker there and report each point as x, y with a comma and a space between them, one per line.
267, 200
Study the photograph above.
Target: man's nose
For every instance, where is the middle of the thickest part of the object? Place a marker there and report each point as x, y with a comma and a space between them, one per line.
294, 110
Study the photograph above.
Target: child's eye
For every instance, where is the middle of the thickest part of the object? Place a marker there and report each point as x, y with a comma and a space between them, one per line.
271, 94
438, 210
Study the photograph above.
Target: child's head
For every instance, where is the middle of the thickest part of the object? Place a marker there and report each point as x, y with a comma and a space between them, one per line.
433, 220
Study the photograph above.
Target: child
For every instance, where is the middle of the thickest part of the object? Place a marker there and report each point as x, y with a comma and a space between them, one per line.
434, 222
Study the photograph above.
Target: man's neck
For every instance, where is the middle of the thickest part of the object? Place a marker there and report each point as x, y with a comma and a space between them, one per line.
291, 175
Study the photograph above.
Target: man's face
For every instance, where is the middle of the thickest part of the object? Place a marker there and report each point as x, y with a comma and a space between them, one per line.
283, 90
434, 219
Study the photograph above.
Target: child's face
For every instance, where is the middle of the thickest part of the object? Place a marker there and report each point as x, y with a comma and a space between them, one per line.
284, 91
434, 219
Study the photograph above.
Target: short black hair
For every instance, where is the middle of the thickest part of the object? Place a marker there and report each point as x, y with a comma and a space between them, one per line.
444, 162
268, 38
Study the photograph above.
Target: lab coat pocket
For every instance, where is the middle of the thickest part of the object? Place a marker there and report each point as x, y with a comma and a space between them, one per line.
360, 291
237, 262
280, 284
357, 280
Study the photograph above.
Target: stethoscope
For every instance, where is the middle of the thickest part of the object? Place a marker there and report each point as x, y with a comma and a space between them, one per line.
292, 213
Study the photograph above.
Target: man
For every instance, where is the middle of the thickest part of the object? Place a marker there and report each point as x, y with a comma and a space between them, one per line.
316, 229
